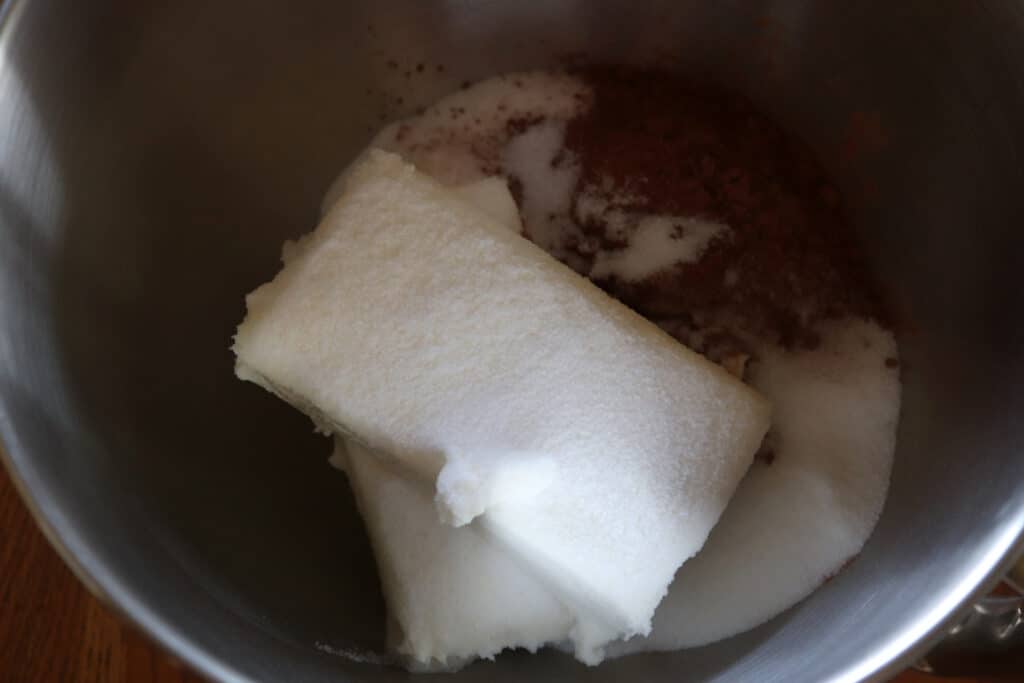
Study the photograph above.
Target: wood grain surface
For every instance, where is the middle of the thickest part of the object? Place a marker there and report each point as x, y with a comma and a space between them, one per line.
53, 630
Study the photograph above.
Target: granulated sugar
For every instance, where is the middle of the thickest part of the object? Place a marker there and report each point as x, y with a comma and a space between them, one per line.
655, 244
460, 138
536, 163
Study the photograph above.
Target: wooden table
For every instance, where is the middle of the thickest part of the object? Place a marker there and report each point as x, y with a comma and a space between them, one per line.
53, 630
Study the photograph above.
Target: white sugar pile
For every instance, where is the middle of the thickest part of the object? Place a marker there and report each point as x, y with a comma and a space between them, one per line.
656, 244
608, 206
546, 177
463, 351
460, 138
651, 243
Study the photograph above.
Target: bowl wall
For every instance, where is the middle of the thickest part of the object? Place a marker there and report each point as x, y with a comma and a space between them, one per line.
153, 157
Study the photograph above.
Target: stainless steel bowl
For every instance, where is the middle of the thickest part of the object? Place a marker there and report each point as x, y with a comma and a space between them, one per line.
154, 155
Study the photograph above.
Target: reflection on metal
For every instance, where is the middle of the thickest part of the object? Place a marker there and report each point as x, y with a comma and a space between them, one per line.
987, 642
1016, 576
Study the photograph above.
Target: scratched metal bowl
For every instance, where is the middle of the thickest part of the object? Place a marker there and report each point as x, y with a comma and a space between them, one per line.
154, 155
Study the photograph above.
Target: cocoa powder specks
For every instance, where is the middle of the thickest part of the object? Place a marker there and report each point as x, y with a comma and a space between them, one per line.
790, 260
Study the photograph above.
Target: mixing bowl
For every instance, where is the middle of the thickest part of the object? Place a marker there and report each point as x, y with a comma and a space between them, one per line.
154, 155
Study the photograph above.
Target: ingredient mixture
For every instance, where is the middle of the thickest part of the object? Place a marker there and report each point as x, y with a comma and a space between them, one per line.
585, 453
476, 361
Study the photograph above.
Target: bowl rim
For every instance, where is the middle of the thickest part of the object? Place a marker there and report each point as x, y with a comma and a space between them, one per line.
135, 603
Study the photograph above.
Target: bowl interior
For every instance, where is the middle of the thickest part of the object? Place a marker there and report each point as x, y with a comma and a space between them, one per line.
153, 158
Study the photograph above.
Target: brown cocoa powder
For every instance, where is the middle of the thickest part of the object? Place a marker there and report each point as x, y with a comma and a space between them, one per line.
790, 260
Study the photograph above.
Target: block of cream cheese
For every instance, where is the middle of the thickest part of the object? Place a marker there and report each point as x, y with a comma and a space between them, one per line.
452, 594
596, 448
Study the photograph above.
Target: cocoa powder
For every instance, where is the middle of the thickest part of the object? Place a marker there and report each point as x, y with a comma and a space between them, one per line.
790, 260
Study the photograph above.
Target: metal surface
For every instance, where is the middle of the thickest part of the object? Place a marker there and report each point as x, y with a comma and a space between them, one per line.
987, 643
1015, 577
153, 156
